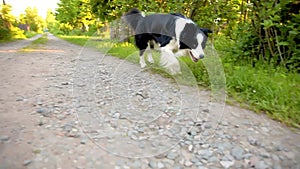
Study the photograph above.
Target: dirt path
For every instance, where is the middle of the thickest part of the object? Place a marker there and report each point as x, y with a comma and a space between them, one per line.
62, 106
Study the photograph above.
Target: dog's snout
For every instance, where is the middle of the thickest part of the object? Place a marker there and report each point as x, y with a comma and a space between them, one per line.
201, 56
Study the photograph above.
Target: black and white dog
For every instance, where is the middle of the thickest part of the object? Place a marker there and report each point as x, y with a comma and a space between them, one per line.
173, 35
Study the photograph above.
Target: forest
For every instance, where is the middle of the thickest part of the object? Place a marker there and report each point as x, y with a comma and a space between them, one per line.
258, 41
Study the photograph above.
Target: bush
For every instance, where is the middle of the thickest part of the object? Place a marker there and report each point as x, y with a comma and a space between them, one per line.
4, 34
17, 33
270, 36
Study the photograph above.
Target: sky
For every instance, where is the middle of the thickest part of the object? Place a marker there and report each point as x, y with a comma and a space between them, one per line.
19, 6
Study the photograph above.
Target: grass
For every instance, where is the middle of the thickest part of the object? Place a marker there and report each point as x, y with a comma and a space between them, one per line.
30, 34
35, 44
22, 36
274, 92
78, 40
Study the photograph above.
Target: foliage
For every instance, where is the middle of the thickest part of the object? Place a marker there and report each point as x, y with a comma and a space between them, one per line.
51, 23
7, 28
270, 36
31, 17
74, 14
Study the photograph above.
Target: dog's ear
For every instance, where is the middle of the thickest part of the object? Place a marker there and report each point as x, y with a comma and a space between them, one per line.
206, 31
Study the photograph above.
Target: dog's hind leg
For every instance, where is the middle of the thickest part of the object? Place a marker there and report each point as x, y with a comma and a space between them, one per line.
142, 58
150, 58
149, 51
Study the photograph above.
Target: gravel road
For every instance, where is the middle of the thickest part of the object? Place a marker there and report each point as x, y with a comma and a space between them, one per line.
64, 106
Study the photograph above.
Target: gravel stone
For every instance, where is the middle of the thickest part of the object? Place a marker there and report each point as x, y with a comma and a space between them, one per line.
160, 165
27, 162
178, 167
227, 157
253, 141
188, 163
152, 164
237, 152
4, 138
227, 164
213, 159
190, 148
205, 154
172, 155
83, 141
261, 165
43, 111
207, 126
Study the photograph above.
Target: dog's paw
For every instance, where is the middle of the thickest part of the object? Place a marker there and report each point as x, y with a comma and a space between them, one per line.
143, 65
150, 59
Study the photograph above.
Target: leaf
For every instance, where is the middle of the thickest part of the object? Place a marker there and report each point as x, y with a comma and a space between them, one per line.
267, 23
294, 32
284, 43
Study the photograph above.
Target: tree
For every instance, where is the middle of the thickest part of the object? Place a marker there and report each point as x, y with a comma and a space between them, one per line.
7, 20
75, 14
50, 20
35, 21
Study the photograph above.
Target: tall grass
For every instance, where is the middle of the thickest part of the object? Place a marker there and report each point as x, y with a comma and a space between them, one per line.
263, 89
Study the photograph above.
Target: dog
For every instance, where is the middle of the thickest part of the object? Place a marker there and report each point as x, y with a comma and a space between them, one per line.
173, 35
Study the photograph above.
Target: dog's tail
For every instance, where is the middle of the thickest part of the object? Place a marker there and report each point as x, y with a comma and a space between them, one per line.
132, 17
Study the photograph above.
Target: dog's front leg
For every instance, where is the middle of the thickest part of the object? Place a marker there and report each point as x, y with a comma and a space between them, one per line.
169, 61
150, 58
142, 58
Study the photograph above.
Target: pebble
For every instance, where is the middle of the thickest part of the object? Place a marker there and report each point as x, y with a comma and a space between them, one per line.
43, 111
152, 164
188, 163
178, 167
172, 155
252, 141
207, 126
261, 165
27, 162
20, 99
213, 159
83, 141
227, 164
205, 154
224, 123
227, 157
4, 138
237, 152
160, 165
135, 164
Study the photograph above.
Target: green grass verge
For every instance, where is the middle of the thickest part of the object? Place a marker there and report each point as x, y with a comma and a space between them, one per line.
35, 44
78, 40
274, 92
30, 34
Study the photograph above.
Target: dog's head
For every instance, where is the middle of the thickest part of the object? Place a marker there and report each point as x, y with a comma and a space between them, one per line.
194, 39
